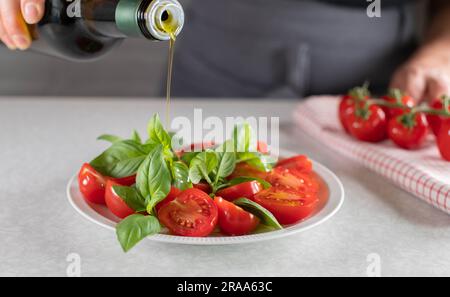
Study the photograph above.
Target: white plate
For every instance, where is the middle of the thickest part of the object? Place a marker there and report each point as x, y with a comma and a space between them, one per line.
331, 186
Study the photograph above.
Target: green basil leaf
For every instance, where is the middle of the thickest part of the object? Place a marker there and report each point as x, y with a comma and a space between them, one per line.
157, 133
122, 159
109, 138
153, 178
257, 160
244, 179
136, 137
134, 228
180, 174
267, 218
187, 157
202, 165
244, 138
226, 165
131, 197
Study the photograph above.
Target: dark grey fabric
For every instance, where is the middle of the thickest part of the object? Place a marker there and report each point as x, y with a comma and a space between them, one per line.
288, 48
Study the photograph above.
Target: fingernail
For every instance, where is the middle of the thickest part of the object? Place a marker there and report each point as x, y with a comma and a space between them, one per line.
8, 42
31, 11
21, 42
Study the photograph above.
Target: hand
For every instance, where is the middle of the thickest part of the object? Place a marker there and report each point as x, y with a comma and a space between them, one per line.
14, 17
426, 75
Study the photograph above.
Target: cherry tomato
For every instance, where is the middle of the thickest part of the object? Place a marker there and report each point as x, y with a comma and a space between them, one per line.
408, 131
244, 190
233, 220
288, 206
92, 184
203, 186
368, 124
174, 192
192, 213
406, 100
116, 204
444, 140
346, 108
290, 179
243, 169
435, 121
301, 163
125, 181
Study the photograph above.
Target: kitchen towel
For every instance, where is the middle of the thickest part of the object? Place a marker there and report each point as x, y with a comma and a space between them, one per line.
422, 173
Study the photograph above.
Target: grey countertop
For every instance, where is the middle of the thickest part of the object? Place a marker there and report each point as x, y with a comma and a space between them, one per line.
44, 141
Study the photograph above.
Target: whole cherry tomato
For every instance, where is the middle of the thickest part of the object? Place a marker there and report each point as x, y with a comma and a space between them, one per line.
408, 131
368, 124
435, 121
396, 96
348, 103
444, 140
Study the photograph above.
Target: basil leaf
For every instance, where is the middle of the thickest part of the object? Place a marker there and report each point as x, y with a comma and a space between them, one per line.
131, 197
266, 216
244, 138
180, 174
157, 133
134, 228
153, 179
226, 165
136, 137
187, 157
109, 138
122, 159
243, 179
257, 160
201, 166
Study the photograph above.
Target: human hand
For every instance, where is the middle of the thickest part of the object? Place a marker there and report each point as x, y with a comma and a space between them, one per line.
14, 17
426, 75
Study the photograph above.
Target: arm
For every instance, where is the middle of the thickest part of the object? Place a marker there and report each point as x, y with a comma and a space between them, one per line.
427, 73
14, 17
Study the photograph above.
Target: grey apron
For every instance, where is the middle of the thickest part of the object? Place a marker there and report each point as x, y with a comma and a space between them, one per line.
289, 48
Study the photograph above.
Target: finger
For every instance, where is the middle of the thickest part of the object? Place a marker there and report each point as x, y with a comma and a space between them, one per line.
5, 38
32, 10
411, 80
14, 24
437, 85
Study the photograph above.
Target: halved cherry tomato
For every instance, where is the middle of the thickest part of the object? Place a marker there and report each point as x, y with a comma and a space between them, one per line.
116, 204
405, 100
92, 184
125, 181
233, 220
294, 180
203, 186
192, 213
287, 205
174, 192
346, 108
368, 124
263, 148
444, 140
436, 121
408, 131
301, 163
244, 190
243, 169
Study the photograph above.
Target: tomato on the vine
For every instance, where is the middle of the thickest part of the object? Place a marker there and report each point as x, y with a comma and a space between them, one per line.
348, 103
368, 123
397, 96
233, 220
92, 184
408, 131
444, 140
192, 213
435, 121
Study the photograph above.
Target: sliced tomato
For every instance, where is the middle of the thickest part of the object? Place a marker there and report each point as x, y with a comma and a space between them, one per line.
301, 163
174, 192
294, 180
205, 187
192, 213
244, 190
243, 169
287, 205
92, 184
124, 181
233, 220
116, 204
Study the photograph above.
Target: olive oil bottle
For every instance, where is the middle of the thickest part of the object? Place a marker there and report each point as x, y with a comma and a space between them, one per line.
83, 30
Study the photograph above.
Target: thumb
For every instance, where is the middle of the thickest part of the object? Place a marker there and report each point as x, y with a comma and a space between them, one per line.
33, 10
411, 80
437, 86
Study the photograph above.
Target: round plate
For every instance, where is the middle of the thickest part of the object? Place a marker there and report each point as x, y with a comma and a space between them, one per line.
332, 193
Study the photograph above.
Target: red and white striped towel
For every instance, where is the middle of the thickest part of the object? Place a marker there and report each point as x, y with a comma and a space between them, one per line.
422, 173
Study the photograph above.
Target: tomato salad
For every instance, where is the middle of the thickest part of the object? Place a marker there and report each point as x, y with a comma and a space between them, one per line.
235, 188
